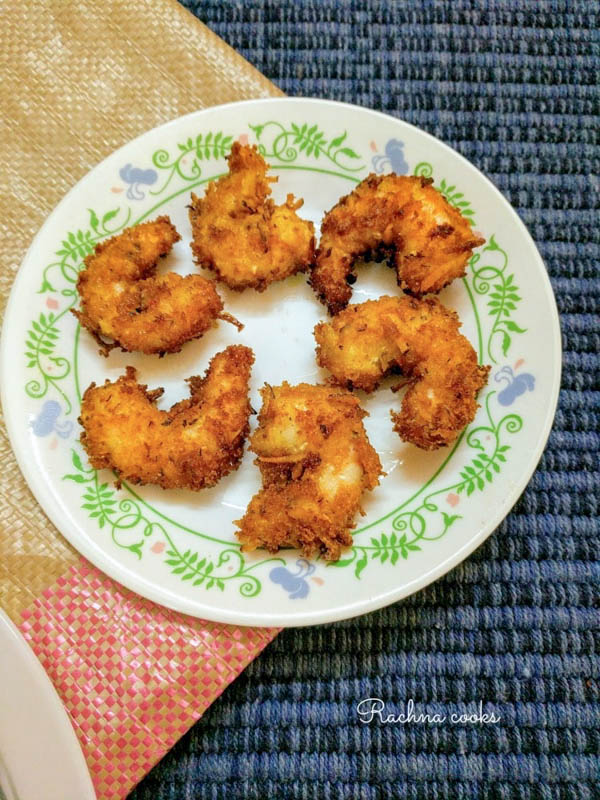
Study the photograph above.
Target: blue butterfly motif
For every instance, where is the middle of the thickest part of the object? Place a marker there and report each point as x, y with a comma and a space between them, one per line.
393, 158
46, 421
515, 386
134, 176
294, 582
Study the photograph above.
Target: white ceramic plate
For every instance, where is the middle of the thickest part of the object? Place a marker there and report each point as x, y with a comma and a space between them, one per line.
39, 752
178, 547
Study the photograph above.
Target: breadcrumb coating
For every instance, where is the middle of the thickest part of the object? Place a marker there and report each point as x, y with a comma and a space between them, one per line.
419, 338
399, 217
239, 232
191, 446
316, 461
123, 300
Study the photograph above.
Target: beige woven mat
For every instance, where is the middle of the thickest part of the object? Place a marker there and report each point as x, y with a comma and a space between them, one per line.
79, 79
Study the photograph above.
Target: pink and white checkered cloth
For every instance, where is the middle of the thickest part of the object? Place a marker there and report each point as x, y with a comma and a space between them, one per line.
134, 676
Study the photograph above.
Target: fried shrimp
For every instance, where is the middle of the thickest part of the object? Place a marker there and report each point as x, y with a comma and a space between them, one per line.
396, 216
123, 300
239, 232
420, 338
191, 446
316, 461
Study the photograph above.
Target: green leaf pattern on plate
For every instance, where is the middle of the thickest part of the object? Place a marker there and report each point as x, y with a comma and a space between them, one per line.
489, 277
286, 143
187, 165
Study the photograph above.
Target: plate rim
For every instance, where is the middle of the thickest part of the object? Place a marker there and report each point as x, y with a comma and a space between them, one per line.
34, 669
139, 584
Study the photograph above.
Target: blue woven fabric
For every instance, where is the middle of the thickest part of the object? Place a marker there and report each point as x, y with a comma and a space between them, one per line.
512, 86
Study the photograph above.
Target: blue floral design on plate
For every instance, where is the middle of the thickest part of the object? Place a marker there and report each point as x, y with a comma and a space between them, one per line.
393, 159
294, 582
135, 176
515, 386
47, 422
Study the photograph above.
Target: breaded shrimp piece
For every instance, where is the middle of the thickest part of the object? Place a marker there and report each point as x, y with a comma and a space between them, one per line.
239, 232
396, 216
122, 299
316, 461
191, 446
420, 338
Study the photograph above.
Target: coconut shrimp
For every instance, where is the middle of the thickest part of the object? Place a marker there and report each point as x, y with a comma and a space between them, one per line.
191, 446
239, 232
396, 216
123, 300
419, 338
316, 462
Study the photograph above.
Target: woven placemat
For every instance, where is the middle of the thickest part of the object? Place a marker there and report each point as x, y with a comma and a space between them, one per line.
513, 86
80, 79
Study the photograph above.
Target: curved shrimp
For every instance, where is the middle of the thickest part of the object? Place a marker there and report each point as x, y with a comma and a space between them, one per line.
239, 232
316, 461
191, 446
398, 216
123, 300
420, 338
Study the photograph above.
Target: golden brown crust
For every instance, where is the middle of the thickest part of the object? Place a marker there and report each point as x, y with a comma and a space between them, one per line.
396, 216
239, 232
124, 301
421, 338
191, 446
316, 461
